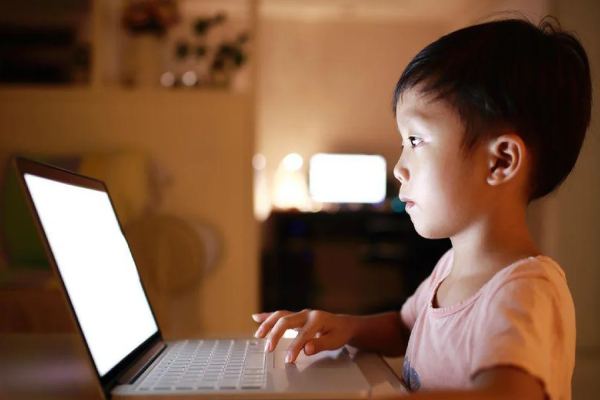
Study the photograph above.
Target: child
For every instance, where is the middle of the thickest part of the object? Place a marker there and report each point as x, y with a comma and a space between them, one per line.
491, 117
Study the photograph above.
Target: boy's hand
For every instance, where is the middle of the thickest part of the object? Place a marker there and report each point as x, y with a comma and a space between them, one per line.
317, 331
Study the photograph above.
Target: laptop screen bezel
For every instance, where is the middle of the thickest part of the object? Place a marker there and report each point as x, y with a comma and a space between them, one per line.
27, 166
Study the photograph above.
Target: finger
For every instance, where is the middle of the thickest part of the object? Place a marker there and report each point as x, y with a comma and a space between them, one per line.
260, 317
306, 335
283, 324
309, 347
269, 322
324, 342
303, 339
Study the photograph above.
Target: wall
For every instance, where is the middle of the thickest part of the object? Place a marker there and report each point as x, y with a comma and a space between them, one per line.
327, 85
575, 213
204, 138
326, 80
578, 201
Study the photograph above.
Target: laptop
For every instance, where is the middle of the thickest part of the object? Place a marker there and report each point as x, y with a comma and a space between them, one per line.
90, 255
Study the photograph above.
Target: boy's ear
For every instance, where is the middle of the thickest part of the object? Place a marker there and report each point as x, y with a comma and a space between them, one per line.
506, 155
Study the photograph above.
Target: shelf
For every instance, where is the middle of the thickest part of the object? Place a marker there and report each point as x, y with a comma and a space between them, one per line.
115, 56
33, 92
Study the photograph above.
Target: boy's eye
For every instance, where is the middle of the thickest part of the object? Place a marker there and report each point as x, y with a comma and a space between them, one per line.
414, 141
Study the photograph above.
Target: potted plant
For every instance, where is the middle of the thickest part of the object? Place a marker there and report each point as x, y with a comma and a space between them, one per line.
146, 22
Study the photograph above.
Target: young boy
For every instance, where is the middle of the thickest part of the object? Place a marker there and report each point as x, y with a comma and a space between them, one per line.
491, 117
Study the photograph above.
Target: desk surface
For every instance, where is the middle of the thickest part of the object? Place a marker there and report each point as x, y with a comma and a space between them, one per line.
55, 366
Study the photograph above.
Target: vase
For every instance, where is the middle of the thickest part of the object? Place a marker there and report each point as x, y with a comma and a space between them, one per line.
144, 61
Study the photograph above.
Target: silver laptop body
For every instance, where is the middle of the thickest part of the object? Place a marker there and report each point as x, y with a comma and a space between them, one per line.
88, 250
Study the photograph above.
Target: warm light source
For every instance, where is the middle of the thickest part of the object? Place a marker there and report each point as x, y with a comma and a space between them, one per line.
290, 186
347, 178
167, 79
262, 201
293, 162
189, 78
259, 162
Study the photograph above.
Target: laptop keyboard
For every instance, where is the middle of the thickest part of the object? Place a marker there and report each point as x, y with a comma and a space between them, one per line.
209, 365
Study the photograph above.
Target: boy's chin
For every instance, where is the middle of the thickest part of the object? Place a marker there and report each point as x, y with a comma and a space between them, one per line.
429, 232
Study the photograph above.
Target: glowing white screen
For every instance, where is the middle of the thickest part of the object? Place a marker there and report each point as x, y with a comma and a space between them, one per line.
347, 178
97, 268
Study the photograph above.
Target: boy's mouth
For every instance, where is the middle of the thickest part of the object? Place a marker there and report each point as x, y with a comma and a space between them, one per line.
409, 203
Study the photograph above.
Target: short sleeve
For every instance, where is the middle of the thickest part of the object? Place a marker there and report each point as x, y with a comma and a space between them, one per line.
412, 305
415, 303
524, 326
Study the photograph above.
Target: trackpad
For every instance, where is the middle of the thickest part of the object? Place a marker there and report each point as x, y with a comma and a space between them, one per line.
325, 359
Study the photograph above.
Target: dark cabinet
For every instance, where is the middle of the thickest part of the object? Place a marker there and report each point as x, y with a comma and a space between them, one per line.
347, 262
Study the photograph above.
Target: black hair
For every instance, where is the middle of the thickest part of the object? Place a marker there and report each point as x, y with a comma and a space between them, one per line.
512, 74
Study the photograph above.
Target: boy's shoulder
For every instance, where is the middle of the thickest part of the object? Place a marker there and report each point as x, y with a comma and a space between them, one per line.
541, 267
529, 275
524, 271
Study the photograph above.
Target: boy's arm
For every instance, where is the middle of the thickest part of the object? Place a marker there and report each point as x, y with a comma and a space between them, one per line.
385, 333
499, 383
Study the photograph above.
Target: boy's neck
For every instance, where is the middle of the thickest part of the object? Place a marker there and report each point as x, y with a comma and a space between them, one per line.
492, 243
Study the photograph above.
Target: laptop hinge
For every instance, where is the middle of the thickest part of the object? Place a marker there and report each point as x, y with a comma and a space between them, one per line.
140, 365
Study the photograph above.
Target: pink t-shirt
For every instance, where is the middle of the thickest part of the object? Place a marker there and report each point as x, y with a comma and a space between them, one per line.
523, 317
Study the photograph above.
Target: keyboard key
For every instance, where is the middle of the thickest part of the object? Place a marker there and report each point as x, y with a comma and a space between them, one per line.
253, 372
205, 386
166, 383
192, 372
246, 379
255, 361
251, 386
211, 371
228, 382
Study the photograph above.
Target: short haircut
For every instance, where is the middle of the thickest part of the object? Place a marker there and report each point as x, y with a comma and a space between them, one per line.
534, 80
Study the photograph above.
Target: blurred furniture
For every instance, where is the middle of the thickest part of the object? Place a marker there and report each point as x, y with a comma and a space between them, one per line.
45, 43
358, 262
33, 302
172, 253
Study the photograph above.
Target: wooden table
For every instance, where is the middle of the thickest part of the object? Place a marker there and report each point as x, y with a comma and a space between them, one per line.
55, 366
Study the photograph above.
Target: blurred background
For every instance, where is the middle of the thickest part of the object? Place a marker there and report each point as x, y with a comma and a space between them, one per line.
220, 127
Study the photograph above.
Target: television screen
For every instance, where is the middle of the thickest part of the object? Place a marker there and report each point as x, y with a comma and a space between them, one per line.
347, 178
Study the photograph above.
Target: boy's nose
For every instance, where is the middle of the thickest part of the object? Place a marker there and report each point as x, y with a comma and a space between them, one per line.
400, 172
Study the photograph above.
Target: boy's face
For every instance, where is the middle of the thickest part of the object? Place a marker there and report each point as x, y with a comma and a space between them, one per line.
445, 191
